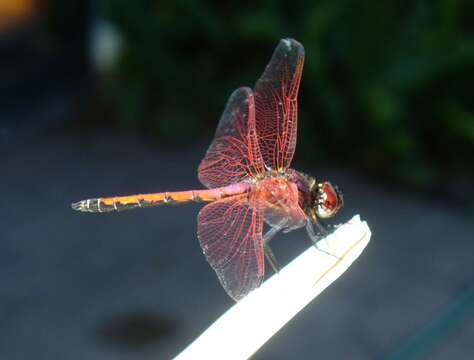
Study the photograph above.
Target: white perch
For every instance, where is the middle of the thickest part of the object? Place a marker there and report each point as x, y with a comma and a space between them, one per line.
247, 325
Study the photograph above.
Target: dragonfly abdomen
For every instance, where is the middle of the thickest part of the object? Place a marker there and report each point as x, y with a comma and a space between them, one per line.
119, 203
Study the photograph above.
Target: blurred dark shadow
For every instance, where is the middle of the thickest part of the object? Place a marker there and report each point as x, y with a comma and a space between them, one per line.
135, 330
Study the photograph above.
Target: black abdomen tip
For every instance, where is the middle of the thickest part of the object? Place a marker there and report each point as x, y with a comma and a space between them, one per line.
90, 205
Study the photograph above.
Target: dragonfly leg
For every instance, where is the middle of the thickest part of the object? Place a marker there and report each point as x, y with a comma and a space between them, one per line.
315, 238
269, 255
270, 234
324, 231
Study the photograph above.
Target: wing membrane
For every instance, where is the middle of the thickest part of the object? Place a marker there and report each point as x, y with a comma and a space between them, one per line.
276, 104
230, 234
234, 153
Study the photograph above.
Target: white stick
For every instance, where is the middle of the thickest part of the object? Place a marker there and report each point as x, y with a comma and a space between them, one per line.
246, 326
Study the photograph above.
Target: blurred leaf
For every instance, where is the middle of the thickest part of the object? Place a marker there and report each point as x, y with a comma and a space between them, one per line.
459, 122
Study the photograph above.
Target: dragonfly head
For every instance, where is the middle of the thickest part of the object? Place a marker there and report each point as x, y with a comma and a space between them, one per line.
327, 200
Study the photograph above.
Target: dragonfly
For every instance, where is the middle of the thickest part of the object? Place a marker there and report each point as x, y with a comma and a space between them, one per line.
248, 179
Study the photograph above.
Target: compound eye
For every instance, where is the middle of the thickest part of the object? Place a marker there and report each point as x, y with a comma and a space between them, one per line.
329, 200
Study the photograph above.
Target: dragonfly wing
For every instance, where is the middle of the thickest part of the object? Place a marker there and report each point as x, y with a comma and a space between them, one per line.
230, 234
234, 153
276, 104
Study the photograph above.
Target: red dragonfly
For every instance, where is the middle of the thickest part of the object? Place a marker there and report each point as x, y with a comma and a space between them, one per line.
249, 180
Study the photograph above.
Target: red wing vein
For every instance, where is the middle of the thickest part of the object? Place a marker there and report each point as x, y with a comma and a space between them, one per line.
234, 154
230, 234
276, 104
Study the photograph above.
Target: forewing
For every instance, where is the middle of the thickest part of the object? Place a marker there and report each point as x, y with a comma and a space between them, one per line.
276, 104
234, 153
230, 234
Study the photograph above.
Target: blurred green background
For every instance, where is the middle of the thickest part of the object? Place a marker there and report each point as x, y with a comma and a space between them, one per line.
387, 86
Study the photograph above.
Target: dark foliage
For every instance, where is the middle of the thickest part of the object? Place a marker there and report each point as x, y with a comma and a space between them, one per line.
387, 85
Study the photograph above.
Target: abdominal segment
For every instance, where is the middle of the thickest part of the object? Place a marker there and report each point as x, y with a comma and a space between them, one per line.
119, 203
